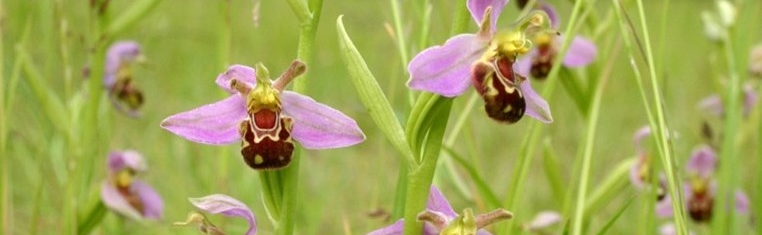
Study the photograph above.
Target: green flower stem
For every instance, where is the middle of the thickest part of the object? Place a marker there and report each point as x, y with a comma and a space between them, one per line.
289, 210
592, 127
401, 46
661, 130
306, 35
434, 110
271, 194
5, 191
725, 220
613, 184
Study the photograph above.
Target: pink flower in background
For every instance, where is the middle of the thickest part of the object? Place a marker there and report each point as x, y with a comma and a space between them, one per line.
118, 80
539, 61
265, 117
484, 59
126, 195
713, 104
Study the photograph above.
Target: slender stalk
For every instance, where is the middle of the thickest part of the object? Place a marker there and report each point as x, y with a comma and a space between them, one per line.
662, 129
724, 222
592, 126
401, 42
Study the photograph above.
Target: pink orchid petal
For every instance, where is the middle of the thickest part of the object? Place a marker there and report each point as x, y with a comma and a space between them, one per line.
239, 72
537, 108
228, 206
153, 206
552, 13
641, 134
215, 124
544, 219
477, 8
118, 53
702, 162
397, 227
437, 202
394, 229
318, 126
713, 105
581, 52
523, 66
750, 99
114, 201
635, 175
743, 205
446, 69
118, 160
664, 207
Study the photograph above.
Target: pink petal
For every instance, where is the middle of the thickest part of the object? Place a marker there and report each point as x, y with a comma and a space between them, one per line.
523, 65
228, 206
664, 207
702, 162
477, 8
713, 105
552, 13
215, 123
118, 53
242, 73
537, 108
544, 219
635, 174
641, 134
394, 229
118, 160
743, 206
581, 52
446, 69
437, 202
114, 201
318, 126
153, 206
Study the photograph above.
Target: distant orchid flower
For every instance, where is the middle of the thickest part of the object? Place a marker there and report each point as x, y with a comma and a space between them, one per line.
700, 189
219, 204
539, 61
124, 194
487, 58
669, 229
543, 220
117, 78
713, 104
755, 61
265, 117
440, 218
640, 172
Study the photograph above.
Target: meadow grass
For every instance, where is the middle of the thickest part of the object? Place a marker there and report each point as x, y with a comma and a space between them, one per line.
652, 68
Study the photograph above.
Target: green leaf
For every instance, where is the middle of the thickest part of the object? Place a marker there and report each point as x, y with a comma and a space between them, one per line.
481, 185
135, 12
52, 105
615, 218
553, 172
614, 183
371, 95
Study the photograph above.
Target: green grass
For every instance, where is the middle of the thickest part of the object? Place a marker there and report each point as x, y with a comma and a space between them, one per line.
187, 44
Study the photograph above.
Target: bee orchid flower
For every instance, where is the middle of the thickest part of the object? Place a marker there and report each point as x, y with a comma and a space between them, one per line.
124, 194
485, 60
265, 118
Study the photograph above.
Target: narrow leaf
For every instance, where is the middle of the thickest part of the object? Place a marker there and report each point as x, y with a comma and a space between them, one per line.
136, 11
370, 93
615, 218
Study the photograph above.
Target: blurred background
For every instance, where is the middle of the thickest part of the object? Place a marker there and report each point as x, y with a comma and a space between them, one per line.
185, 46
